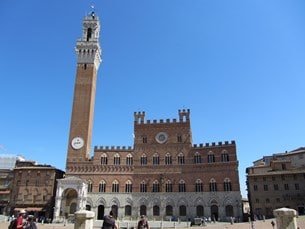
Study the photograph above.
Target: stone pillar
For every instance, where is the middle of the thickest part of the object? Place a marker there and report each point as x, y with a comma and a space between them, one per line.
285, 218
83, 219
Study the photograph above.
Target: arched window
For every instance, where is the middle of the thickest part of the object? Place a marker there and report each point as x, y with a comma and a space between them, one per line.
182, 187
168, 186
144, 139
197, 158
198, 186
156, 210
143, 159
115, 186
168, 159
89, 186
128, 186
156, 159
182, 210
179, 138
116, 159
211, 157
213, 185
102, 186
143, 186
127, 210
89, 33
156, 186
169, 210
104, 159
181, 160
227, 186
129, 160
224, 156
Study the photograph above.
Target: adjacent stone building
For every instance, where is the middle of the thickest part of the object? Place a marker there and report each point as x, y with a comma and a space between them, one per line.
7, 164
33, 189
163, 175
277, 181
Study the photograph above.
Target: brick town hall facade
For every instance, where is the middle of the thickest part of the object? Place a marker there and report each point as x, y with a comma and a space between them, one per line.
163, 176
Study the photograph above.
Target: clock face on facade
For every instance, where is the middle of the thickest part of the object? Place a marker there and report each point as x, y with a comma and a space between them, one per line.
77, 143
161, 137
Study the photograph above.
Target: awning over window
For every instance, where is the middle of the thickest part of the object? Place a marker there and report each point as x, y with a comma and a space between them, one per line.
34, 209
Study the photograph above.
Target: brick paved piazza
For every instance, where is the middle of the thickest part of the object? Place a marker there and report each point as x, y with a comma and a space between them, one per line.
257, 225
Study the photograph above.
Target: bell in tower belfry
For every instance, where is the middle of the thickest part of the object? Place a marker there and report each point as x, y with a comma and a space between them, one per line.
89, 54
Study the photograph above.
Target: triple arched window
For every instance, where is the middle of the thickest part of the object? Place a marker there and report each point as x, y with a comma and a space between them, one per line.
182, 186
227, 186
213, 185
197, 158
128, 186
198, 186
115, 186
168, 159
168, 186
143, 159
211, 157
156, 186
102, 186
181, 160
156, 159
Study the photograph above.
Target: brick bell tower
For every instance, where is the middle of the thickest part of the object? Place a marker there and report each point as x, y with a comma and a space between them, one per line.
89, 57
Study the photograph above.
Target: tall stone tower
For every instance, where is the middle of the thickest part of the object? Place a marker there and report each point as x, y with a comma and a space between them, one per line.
88, 53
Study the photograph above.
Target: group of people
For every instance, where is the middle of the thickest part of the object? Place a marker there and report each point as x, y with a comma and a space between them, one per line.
27, 222
23, 221
109, 222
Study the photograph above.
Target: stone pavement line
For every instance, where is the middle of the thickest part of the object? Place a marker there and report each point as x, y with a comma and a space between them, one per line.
257, 225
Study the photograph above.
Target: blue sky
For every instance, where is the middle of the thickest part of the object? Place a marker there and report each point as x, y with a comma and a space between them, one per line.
238, 65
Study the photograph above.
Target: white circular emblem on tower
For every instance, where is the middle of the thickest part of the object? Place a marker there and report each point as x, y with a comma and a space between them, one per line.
161, 137
77, 143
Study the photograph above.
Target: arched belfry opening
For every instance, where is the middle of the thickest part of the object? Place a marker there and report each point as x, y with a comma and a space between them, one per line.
89, 34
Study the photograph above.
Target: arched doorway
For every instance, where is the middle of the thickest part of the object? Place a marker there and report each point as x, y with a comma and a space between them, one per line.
229, 211
142, 210
100, 212
214, 212
199, 210
114, 209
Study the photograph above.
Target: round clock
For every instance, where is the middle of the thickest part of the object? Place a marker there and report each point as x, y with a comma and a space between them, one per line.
161, 137
77, 143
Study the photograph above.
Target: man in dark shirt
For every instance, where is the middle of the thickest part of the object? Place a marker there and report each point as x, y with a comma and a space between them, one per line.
109, 222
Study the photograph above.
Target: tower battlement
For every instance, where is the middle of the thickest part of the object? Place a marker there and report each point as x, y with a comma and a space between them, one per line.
213, 144
112, 148
184, 116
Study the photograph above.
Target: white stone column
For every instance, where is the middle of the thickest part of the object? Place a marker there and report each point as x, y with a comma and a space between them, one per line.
58, 200
285, 218
83, 219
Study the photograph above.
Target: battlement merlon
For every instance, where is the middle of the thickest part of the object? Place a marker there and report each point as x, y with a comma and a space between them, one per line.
139, 117
184, 115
